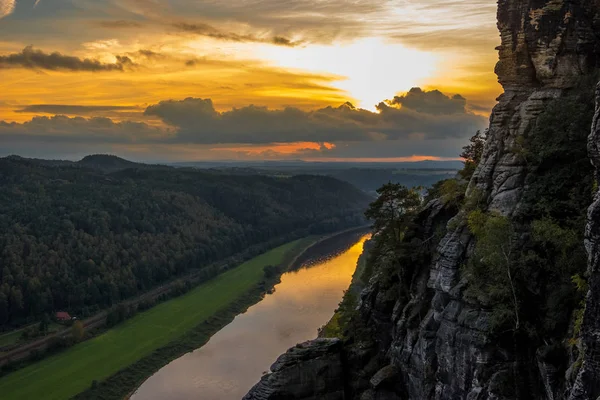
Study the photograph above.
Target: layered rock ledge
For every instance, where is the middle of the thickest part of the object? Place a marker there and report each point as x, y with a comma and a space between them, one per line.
309, 371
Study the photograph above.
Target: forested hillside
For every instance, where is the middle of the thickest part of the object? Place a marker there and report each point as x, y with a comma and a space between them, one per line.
80, 238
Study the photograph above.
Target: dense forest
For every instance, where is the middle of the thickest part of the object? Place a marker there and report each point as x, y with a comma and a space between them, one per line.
83, 236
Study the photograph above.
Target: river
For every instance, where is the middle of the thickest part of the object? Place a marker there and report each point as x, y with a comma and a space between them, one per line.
235, 358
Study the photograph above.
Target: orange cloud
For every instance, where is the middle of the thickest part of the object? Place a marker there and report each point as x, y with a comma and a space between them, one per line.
413, 158
278, 148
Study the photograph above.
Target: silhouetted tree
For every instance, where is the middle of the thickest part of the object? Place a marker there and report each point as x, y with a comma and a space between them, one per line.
472, 154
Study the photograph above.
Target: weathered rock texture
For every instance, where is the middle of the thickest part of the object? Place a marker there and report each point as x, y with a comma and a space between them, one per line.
308, 371
434, 344
547, 48
587, 385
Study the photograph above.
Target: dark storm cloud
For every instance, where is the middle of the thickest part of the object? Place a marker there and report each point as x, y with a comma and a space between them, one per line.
63, 129
69, 109
206, 30
431, 102
31, 58
197, 121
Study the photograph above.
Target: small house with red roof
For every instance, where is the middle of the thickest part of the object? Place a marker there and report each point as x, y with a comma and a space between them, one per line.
63, 316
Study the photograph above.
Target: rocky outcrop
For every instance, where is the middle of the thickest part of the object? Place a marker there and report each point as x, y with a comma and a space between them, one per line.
435, 343
587, 385
547, 48
308, 371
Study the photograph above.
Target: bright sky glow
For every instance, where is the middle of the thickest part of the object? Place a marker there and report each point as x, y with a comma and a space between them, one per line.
370, 66
112, 59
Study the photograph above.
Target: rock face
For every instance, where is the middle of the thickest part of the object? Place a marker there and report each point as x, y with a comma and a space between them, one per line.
547, 46
587, 385
308, 371
434, 344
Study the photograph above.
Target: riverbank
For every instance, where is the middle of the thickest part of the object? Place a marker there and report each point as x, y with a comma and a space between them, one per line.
334, 328
142, 344
112, 364
235, 358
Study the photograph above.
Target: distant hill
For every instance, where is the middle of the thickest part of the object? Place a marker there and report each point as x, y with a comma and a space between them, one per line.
365, 176
100, 162
107, 162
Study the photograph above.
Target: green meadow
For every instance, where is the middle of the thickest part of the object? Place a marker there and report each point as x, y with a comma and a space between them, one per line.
10, 338
66, 374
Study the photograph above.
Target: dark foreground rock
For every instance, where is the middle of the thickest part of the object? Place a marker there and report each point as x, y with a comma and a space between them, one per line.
309, 371
587, 385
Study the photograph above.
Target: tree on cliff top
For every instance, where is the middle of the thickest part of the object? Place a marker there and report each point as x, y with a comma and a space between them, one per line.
393, 210
472, 153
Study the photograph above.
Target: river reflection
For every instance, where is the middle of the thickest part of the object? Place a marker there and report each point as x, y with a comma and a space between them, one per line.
235, 358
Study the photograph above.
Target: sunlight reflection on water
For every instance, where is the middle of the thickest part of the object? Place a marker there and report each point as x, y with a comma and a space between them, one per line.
235, 358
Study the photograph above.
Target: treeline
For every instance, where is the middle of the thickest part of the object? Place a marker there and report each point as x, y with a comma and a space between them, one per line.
79, 239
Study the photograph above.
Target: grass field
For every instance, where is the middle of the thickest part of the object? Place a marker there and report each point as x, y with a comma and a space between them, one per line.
10, 338
69, 373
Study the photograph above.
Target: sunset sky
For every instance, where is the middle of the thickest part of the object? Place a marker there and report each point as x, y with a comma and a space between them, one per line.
245, 79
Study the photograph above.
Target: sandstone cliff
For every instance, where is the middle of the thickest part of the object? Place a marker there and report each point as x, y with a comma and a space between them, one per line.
433, 342
587, 385
311, 371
